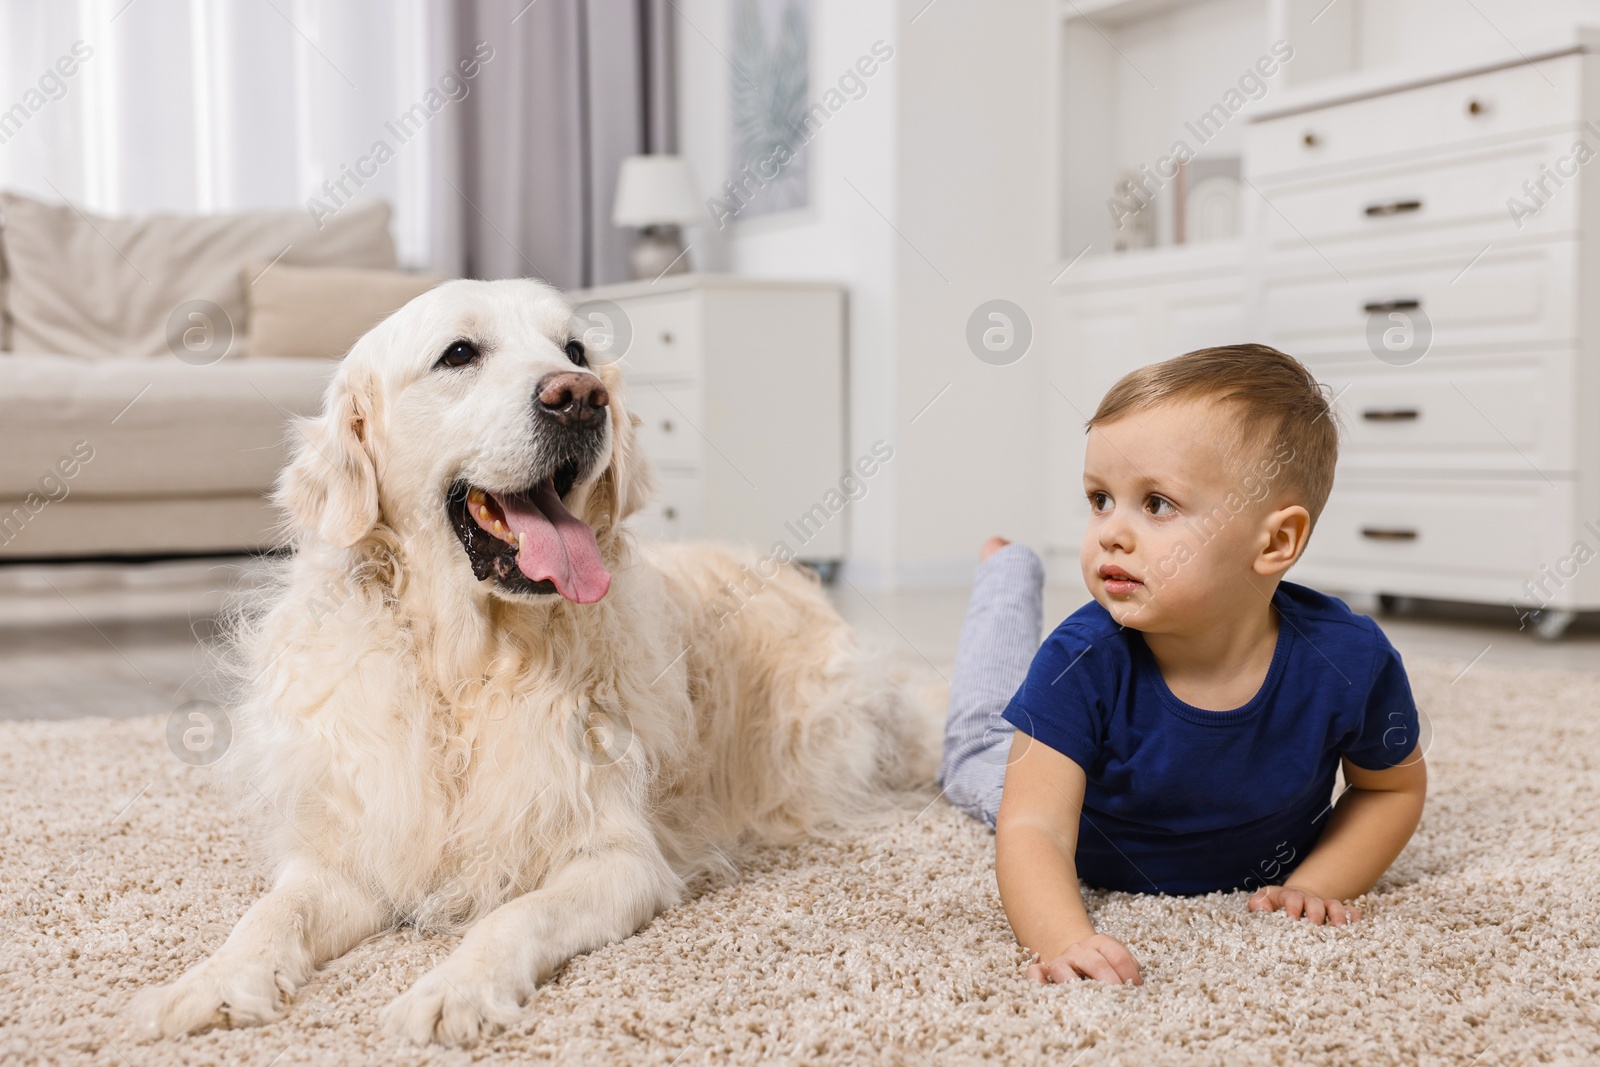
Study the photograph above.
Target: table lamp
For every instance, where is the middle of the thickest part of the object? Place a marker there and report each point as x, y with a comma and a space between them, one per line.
657, 195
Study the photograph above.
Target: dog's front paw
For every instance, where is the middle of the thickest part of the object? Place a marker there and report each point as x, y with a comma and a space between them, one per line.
451, 1005
218, 992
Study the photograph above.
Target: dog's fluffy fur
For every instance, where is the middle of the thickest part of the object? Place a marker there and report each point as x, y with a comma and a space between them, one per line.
422, 746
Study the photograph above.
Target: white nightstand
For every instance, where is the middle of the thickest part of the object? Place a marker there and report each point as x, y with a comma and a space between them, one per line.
740, 383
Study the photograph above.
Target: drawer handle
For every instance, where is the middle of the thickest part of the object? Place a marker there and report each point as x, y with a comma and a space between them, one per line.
1382, 533
1379, 307
670, 512
1477, 107
666, 425
666, 337
1310, 139
1393, 207
1391, 414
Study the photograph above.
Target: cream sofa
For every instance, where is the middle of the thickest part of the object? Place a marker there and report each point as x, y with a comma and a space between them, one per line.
128, 426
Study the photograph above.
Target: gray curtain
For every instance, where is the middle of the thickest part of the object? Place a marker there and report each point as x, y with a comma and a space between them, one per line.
574, 86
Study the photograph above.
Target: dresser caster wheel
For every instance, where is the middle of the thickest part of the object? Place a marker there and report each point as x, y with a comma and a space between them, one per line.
827, 569
1392, 604
1549, 625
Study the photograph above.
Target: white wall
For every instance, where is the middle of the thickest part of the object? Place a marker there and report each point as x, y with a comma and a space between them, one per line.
840, 237
945, 147
974, 183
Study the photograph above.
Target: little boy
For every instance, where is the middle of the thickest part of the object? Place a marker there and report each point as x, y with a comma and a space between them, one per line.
1181, 733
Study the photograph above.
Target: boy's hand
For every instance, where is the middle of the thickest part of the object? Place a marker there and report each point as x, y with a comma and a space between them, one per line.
1303, 903
1100, 957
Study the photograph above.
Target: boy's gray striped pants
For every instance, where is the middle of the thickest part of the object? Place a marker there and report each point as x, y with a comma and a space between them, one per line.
999, 637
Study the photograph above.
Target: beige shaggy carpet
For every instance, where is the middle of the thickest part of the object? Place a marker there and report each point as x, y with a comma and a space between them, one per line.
120, 868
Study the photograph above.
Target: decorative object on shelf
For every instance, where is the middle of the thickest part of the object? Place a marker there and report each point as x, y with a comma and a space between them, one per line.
1136, 228
656, 194
1211, 199
1180, 202
770, 86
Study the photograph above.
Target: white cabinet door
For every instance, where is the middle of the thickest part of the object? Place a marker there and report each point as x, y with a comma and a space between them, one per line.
1102, 336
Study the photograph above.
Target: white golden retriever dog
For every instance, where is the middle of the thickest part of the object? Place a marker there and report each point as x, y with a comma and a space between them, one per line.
476, 704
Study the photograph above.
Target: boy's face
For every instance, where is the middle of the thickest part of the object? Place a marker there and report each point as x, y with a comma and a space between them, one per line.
1174, 534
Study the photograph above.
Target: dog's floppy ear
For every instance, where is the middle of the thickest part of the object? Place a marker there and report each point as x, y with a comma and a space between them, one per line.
628, 478
634, 480
331, 485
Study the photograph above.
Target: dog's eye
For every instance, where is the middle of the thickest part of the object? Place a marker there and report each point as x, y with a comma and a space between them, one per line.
459, 354
575, 353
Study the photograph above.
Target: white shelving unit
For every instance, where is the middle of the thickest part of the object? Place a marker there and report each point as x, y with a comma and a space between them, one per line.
1133, 79
1486, 477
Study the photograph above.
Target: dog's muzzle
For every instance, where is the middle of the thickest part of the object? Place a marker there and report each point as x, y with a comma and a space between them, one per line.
524, 539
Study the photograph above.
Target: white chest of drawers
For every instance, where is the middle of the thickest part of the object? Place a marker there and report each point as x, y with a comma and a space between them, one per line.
1460, 333
739, 386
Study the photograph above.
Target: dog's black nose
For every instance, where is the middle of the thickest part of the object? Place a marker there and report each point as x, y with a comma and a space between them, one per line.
573, 399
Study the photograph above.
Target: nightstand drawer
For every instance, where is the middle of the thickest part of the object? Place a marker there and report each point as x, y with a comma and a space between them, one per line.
1507, 297
1505, 527
665, 340
1460, 199
669, 416
1499, 103
677, 511
1511, 413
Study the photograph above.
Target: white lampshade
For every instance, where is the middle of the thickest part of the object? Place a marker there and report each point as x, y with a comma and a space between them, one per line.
656, 191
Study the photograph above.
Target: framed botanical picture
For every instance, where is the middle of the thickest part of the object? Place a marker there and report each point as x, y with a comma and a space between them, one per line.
770, 83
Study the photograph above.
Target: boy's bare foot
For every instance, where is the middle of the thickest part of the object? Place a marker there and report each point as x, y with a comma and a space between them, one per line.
991, 546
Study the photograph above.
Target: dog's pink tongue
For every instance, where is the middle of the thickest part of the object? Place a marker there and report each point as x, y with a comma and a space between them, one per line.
556, 545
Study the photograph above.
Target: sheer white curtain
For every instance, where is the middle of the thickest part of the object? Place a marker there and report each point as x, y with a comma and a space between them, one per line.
501, 122
224, 105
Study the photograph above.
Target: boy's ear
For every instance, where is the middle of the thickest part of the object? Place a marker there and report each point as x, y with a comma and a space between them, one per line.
1287, 531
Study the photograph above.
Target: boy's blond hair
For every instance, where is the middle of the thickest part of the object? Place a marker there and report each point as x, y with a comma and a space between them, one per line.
1279, 403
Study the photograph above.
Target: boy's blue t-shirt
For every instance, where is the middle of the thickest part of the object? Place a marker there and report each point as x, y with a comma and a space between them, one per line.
1184, 800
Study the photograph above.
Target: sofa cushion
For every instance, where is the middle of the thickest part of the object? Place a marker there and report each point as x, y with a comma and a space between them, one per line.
100, 287
132, 526
148, 427
322, 311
